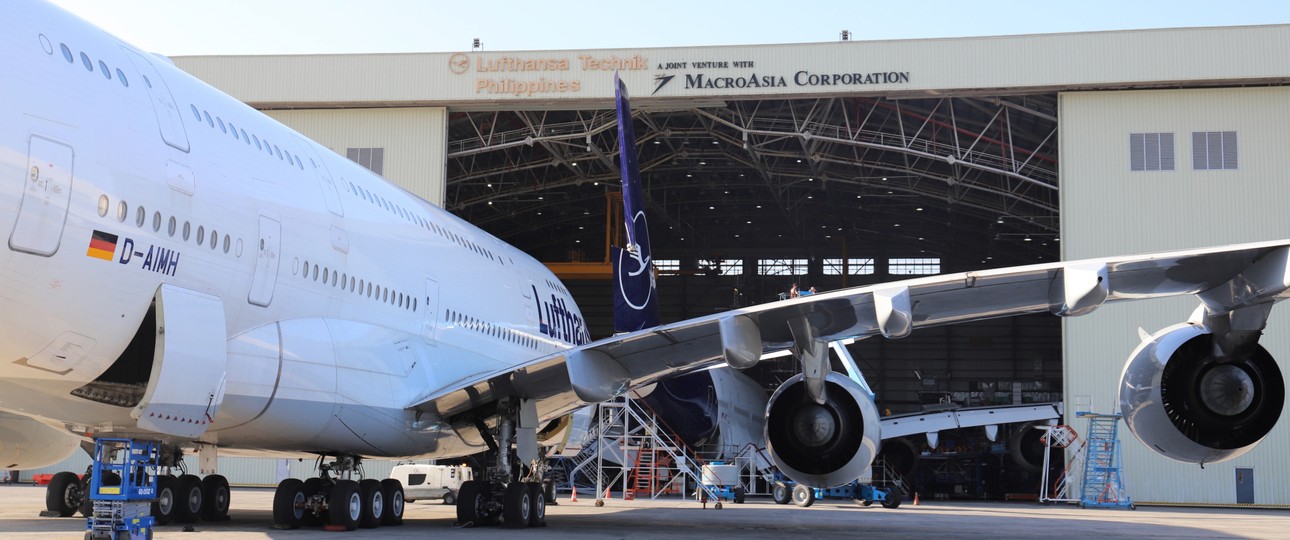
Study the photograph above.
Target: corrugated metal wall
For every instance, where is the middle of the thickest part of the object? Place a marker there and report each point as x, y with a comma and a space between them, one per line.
1109, 210
414, 139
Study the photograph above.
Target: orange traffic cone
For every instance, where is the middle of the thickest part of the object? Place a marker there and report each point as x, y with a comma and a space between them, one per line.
608, 494
574, 496
915, 498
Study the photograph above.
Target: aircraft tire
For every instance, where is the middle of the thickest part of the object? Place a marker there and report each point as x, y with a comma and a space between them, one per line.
188, 498
288, 504
216, 498
345, 506
892, 500
373, 503
64, 494
470, 503
740, 494
537, 499
803, 496
163, 507
392, 490
517, 505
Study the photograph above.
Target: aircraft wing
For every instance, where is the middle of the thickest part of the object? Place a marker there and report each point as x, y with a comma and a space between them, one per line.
1224, 278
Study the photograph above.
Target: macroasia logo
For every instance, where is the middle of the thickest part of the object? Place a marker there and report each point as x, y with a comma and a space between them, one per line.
661, 81
458, 63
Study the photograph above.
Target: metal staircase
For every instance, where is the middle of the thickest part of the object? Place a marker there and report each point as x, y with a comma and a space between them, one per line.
1103, 485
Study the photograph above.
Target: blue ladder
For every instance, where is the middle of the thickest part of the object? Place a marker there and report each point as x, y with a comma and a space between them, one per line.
1103, 485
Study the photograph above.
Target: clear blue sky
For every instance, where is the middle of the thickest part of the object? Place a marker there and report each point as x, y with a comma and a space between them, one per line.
180, 27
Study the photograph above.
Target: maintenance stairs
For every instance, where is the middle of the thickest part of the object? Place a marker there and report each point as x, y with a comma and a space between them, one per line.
1103, 485
627, 448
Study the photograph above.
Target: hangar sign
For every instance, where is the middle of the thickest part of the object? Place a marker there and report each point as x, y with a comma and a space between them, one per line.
706, 80
528, 76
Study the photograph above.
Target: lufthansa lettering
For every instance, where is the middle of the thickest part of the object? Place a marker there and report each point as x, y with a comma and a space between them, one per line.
806, 78
511, 63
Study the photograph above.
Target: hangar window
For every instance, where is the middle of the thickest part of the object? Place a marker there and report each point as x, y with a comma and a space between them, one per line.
1213, 150
723, 267
1151, 151
854, 267
781, 267
914, 267
373, 159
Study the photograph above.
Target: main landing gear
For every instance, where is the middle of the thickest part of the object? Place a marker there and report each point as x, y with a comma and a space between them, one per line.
334, 499
184, 498
506, 493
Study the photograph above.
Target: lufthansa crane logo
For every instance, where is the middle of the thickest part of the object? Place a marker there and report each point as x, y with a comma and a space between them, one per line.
458, 63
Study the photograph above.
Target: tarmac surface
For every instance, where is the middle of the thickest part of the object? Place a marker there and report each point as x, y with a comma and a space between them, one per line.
672, 519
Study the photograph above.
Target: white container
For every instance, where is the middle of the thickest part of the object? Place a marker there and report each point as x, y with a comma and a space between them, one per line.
720, 475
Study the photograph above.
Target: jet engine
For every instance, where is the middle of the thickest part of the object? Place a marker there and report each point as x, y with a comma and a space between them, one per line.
1189, 402
825, 445
28, 444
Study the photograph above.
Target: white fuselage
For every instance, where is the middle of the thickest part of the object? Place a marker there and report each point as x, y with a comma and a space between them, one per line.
346, 300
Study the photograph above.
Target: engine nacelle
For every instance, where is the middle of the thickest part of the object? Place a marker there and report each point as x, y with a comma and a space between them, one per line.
1183, 400
822, 446
28, 444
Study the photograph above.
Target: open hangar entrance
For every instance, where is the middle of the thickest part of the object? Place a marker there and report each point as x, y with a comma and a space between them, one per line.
748, 197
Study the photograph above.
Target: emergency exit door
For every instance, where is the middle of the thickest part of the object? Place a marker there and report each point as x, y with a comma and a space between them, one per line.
47, 188
266, 262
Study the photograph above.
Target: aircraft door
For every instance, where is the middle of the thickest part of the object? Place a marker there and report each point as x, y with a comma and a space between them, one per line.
45, 195
330, 194
431, 309
163, 103
189, 367
266, 262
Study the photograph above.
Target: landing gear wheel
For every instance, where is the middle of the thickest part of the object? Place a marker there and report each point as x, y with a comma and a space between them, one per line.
188, 498
781, 494
548, 491
450, 498
892, 500
740, 493
313, 486
537, 517
470, 503
392, 490
803, 496
163, 507
345, 507
289, 504
215, 493
64, 494
373, 503
517, 505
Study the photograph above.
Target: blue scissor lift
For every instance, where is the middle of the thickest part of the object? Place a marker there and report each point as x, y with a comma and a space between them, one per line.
124, 510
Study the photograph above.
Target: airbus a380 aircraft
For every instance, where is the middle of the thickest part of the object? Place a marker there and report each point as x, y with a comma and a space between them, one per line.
180, 268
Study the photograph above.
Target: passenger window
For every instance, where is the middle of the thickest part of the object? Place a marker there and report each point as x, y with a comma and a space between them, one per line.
221, 124
214, 238
268, 147
306, 275
122, 210
103, 205
146, 82
196, 112
244, 137
139, 215
188, 228
67, 53
107, 73
277, 151
156, 221
201, 235
121, 77
257, 142
227, 243
315, 272
207, 114
325, 274
170, 227
85, 59
232, 128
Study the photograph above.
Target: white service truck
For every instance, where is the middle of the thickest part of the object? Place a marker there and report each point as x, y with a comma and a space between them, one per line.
431, 481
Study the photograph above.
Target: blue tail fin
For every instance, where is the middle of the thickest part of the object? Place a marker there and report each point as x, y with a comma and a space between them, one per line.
635, 297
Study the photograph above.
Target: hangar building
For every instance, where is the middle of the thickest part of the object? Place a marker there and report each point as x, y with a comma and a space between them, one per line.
854, 162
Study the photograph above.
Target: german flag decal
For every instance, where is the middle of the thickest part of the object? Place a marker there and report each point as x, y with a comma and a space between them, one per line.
102, 245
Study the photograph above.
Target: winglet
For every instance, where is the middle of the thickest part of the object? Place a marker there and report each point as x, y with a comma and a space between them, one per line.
635, 297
